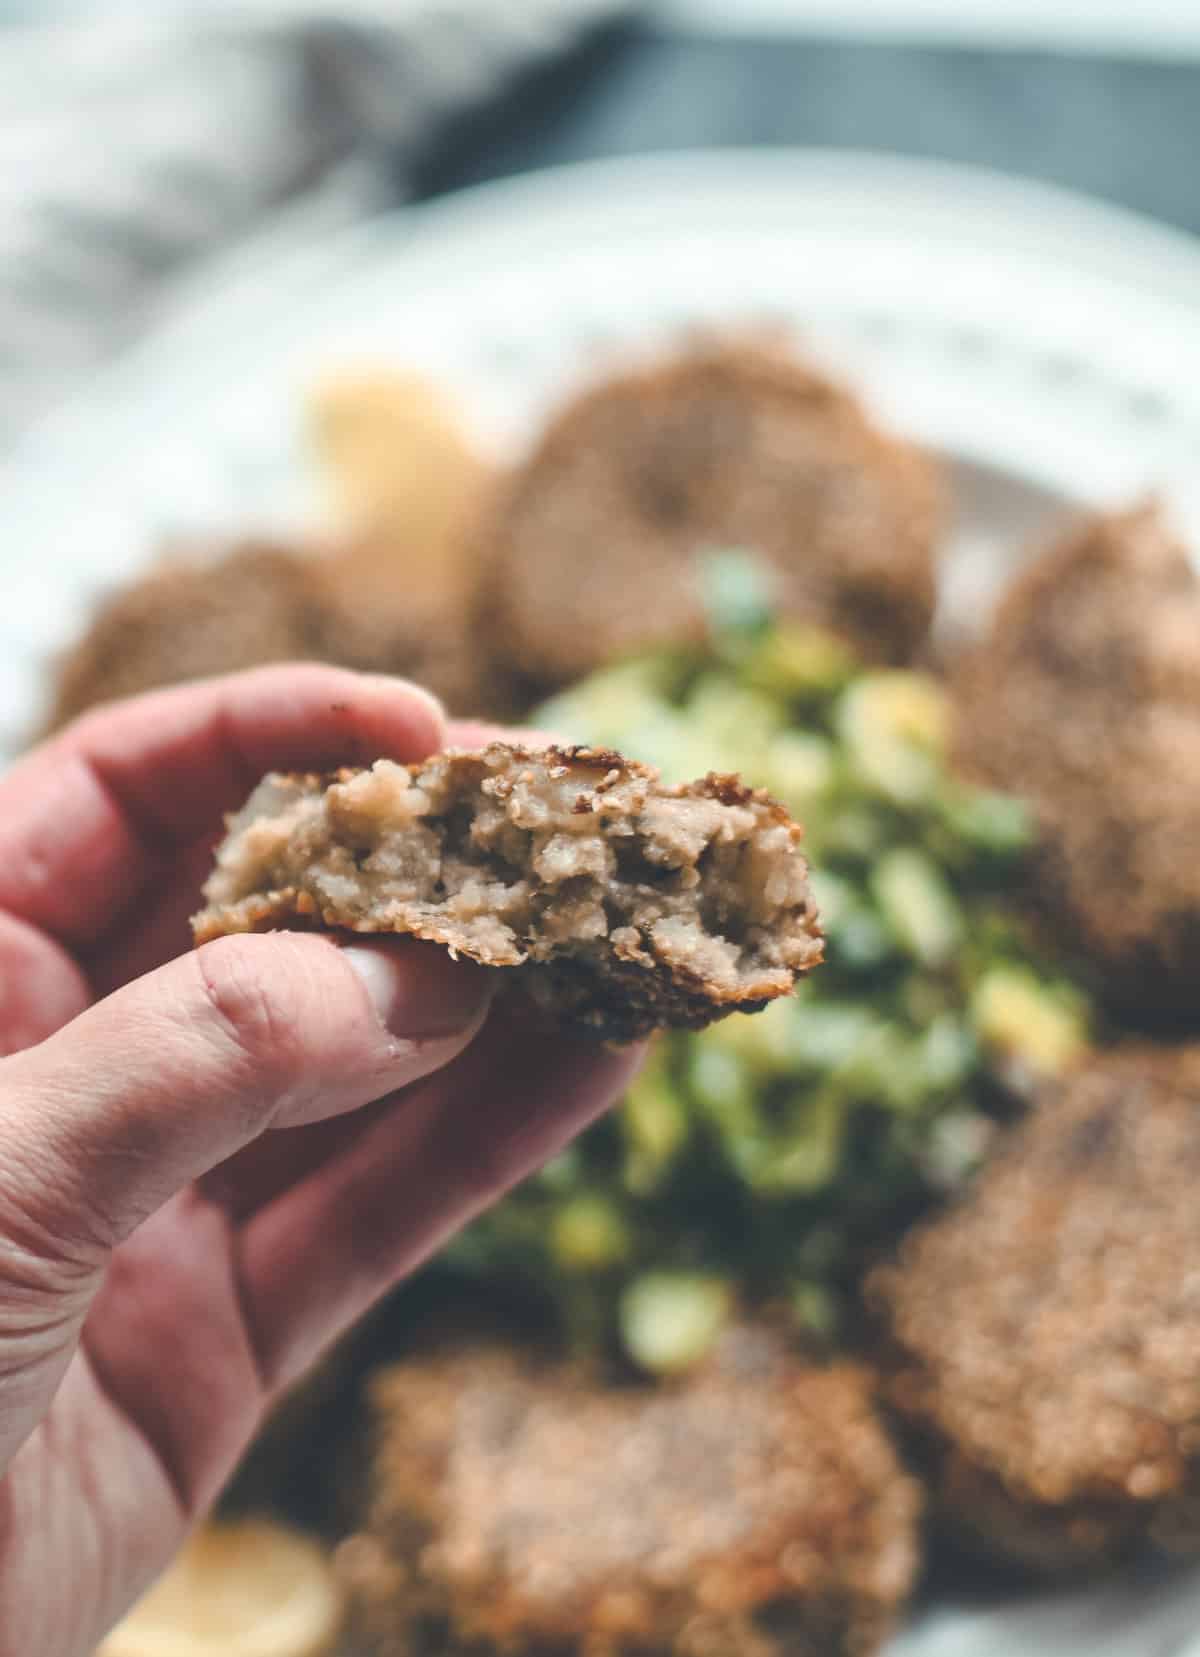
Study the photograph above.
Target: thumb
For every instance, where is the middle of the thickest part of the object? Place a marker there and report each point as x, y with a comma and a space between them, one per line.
170, 1075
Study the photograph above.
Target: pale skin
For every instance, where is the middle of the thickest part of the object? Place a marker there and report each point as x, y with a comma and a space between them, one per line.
212, 1161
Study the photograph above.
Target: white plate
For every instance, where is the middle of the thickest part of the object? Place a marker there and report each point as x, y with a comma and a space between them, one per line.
1047, 348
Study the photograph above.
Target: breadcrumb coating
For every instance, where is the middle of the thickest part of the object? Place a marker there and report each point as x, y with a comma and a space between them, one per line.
1046, 1331
596, 540
1085, 697
756, 1510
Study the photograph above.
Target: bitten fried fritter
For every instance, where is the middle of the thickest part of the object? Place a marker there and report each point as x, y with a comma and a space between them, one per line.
205, 614
622, 905
1046, 1331
756, 1510
598, 536
1085, 698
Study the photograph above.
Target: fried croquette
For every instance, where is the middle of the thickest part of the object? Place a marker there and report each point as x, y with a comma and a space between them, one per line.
1085, 698
372, 626
191, 617
218, 612
622, 905
597, 537
757, 1509
1045, 1332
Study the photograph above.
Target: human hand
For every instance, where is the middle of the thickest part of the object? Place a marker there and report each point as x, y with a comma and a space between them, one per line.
211, 1161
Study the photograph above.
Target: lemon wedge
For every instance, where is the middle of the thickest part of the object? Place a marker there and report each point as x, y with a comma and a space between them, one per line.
246, 1589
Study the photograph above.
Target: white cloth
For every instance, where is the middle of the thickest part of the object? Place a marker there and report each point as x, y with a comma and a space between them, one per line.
130, 145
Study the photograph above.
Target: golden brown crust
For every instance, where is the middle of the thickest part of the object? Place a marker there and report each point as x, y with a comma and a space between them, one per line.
1085, 698
224, 609
617, 907
1045, 1333
732, 444
757, 1509
191, 617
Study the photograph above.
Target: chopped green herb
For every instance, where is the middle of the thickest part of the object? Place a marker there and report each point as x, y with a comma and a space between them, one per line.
766, 1157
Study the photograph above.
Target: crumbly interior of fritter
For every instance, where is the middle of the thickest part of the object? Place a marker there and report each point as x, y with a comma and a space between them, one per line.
519, 859
758, 1508
1047, 1329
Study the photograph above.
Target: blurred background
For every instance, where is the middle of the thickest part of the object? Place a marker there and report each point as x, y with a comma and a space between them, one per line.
139, 140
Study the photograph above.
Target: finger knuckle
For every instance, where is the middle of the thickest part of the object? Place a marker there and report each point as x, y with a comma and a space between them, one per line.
254, 1008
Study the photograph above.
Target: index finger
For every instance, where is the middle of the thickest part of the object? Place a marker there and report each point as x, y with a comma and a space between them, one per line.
89, 817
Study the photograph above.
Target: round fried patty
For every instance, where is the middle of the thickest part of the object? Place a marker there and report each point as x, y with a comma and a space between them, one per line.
1046, 1331
756, 1510
598, 533
1085, 698
190, 618
222, 610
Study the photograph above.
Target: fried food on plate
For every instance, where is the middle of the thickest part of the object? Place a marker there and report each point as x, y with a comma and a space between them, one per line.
374, 624
192, 616
250, 1589
598, 535
622, 905
756, 1509
1046, 1330
220, 609
1085, 697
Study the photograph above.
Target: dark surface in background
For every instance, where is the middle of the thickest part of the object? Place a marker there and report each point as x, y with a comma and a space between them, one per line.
1123, 129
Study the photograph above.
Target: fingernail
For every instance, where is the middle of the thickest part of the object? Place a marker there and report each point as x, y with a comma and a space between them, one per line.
418, 991
390, 683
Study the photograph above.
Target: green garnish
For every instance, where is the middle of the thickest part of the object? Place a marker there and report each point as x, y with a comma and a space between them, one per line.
766, 1158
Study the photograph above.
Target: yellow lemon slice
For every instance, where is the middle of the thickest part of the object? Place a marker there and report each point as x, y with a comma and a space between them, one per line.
250, 1589
402, 473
